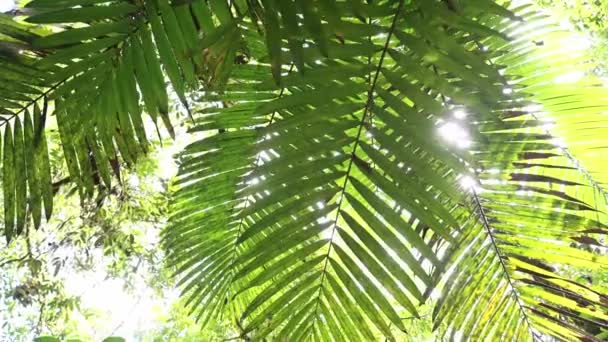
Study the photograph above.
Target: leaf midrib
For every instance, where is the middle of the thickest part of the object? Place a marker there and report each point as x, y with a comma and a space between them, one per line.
366, 112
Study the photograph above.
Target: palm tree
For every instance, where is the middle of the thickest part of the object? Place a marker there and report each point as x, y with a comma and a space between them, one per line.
356, 158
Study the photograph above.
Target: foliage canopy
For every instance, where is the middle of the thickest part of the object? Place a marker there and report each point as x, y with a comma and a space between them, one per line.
352, 159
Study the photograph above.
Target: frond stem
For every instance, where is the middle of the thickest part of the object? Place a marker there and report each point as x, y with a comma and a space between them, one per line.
366, 112
43, 95
52, 88
486, 225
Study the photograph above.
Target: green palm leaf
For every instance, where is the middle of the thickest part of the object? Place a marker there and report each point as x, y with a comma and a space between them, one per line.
319, 199
305, 189
95, 47
521, 268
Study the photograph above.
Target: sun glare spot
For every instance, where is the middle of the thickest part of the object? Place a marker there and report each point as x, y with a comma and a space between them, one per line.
264, 155
559, 142
468, 182
548, 126
533, 108
460, 114
464, 144
327, 233
436, 294
6, 5
507, 91
570, 77
491, 181
578, 43
455, 134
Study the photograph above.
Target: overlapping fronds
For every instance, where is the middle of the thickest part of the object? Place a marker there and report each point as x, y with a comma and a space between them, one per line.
20, 80
344, 187
530, 264
96, 67
312, 223
25, 157
350, 154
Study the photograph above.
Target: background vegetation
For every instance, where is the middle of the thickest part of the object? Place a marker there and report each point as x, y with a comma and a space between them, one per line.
353, 129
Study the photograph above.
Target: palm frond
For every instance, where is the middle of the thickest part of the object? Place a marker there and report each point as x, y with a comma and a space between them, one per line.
525, 267
352, 198
100, 67
25, 155
320, 200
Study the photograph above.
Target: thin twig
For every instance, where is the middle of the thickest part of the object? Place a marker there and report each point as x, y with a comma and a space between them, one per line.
10, 261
